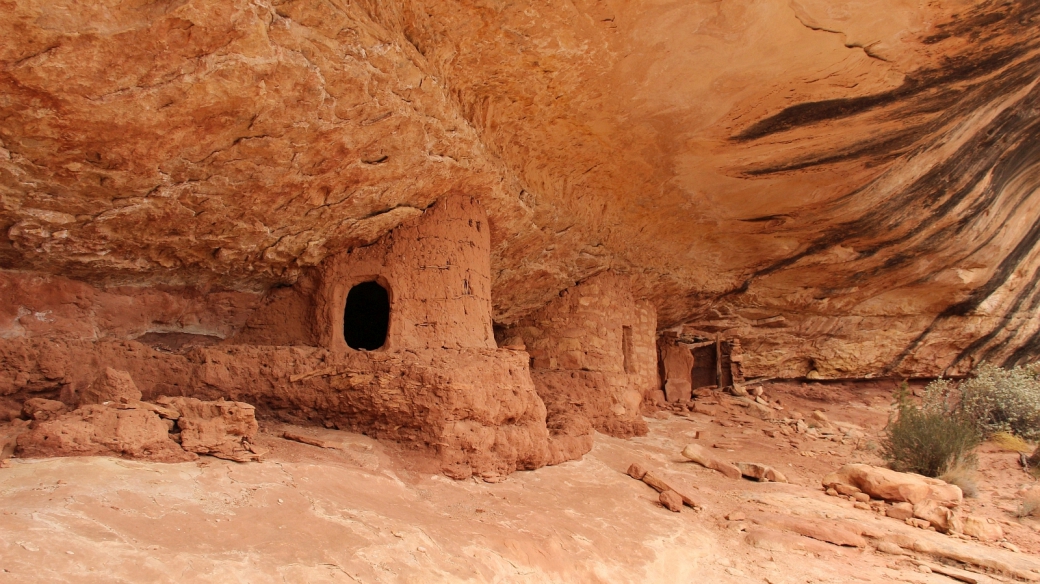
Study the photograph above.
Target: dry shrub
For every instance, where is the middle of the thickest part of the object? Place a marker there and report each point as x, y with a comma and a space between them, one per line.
963, 476
932, 438
1003, 400
1010, 442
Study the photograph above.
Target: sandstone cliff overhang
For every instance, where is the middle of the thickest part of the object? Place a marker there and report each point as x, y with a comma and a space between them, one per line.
866, 172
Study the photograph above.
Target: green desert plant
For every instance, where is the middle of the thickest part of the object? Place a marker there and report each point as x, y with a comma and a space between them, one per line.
1003, 400
931, 438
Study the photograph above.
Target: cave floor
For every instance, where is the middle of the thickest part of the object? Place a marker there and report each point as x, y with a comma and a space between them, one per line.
364, 511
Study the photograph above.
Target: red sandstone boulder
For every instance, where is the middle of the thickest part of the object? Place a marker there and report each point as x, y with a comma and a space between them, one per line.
761, 472
112, 385
671, 501
659, 485
700, 455
636, 471
218, 428
941, 517
883, 483
834, 532
95, 430
40, 409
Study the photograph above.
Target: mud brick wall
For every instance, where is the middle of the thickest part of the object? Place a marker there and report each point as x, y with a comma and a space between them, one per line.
437, 269
593, 349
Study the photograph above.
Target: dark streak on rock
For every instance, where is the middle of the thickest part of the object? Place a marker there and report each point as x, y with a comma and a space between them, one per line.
1006, 150
1020, 158
927, 90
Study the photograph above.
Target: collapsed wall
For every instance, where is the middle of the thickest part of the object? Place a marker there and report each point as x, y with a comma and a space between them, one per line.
691, 361
428, 374
593, 360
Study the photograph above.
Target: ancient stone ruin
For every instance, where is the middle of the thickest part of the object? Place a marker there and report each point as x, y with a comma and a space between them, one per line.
473, 290
394, 339
487, 240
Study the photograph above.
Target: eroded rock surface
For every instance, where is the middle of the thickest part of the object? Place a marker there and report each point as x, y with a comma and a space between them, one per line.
110, 386
102, 430
848, 187
217, 428
889, 485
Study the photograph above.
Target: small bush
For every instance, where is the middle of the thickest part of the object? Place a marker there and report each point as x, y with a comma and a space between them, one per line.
1003, 400
932, 438
964, 477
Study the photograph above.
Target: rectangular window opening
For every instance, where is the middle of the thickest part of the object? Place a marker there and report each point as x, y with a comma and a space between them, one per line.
626, 348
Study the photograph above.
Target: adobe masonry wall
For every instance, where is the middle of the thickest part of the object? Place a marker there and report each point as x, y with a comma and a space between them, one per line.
439, 383
437, 270
474, 410
578, 352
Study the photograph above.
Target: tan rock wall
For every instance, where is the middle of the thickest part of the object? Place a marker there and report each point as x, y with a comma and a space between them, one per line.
820, 161
594, 348
36, 305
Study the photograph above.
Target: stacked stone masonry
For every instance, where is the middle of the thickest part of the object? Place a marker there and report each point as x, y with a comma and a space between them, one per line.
593, 359
438, 383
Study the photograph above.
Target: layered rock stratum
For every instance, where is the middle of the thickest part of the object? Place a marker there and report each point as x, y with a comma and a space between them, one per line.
850, 187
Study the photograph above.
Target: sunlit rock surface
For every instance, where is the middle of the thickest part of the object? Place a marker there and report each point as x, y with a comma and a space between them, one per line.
850, 187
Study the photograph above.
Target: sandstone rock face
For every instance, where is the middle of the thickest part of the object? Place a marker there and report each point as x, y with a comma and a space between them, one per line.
834, 532
218, 428
837, 189
101, 430
846, 186
433, 377
901, 511
111, 386
43, 409
700, 455
889, 485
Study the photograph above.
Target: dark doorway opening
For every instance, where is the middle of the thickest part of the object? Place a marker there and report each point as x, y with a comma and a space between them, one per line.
366, 317
704, 370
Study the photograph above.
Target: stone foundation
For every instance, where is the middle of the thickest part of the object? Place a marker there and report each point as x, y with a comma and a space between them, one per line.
476, 409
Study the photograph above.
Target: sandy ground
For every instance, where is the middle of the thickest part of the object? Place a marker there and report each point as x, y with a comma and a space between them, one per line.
366, 512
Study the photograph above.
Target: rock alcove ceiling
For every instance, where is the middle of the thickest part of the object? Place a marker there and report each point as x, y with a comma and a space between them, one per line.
850, 187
